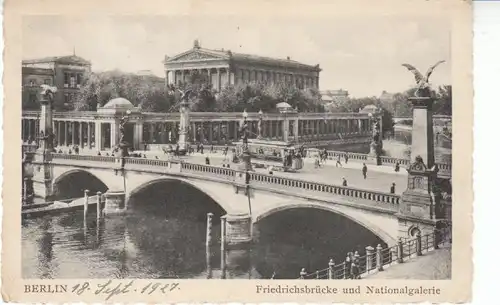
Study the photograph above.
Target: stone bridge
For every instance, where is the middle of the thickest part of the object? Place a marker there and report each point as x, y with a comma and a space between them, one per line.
378, 212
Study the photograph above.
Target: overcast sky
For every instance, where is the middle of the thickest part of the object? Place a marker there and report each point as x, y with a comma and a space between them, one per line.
363, 56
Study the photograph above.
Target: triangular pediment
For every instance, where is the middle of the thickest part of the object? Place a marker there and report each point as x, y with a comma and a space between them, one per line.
197, 55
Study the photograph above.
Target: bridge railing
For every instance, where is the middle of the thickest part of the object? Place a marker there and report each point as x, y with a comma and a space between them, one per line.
332, 154
390, 201
149, 162
378, 258
208, 169
105, 159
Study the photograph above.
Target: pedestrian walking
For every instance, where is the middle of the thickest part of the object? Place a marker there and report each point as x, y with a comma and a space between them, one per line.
201, 148
396, 168
346, 158
344, 182
270, 169
316, 163
348, 262
355, 270
393, 188
365, 169
207, 160
338, 162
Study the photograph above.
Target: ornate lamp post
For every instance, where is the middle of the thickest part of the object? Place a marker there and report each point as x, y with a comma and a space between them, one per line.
123, 145
245, 154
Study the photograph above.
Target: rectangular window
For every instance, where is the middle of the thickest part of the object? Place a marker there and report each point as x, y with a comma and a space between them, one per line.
66, 80
79, 78
66, 98
47, 81
32, 83
72, 81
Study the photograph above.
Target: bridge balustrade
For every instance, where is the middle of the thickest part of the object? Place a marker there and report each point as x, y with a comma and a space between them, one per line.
389, 200
392, 161
105, 159
148, 162
201, 168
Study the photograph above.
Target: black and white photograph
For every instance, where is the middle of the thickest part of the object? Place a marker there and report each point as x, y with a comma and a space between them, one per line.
201, 147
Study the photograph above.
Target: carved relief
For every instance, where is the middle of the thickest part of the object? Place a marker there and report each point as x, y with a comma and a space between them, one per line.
195, 56
417, 182
418, 165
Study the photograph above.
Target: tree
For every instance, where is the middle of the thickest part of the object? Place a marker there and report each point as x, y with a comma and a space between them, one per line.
145, 91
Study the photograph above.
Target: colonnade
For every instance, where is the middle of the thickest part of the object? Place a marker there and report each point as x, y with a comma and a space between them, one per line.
218, 77
101, 135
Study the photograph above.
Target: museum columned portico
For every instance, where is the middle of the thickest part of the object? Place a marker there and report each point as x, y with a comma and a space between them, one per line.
100, 129
223, 68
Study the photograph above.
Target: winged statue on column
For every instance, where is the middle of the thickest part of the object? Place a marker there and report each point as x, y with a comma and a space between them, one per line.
422, 81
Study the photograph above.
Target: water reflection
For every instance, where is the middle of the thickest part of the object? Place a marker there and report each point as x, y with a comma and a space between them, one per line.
149, 245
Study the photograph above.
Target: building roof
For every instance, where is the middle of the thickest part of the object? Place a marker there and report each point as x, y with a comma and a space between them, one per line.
339, 92
36, 71
369, 109
70, 59
118, 102
326, 98
198, 53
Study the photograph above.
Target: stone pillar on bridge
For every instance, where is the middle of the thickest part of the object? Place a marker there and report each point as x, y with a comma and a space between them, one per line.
42, 178
184, 127
238, 229
115, 203
420, 201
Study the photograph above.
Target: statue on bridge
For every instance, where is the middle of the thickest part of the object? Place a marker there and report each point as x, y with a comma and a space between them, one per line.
48, 93
422, 81
376, 132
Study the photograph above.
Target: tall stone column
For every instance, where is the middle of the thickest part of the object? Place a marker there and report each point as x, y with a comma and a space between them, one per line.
210, 132
184, 122
30, 134
139, 131
89, 135
66, 133
112, 137
296, 129
219, 87
73, 133
420, 205
98, 135
42, 178
80, 134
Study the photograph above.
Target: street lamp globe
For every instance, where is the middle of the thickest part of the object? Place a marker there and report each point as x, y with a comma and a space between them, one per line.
260, 112
128, 112
245, 114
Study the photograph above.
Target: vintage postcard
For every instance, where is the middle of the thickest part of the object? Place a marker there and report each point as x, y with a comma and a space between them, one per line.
220, 151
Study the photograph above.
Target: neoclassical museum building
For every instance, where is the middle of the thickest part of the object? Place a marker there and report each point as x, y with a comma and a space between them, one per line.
224, 67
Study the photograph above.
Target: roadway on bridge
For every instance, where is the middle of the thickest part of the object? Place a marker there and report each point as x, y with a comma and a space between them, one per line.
379, 178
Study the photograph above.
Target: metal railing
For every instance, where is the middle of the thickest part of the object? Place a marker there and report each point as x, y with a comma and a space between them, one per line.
377, 259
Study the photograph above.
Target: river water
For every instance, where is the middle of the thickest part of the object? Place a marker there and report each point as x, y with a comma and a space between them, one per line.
163, 236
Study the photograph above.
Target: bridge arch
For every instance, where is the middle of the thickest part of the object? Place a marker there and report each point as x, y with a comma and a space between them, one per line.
377, 230
72, 184
179, 189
